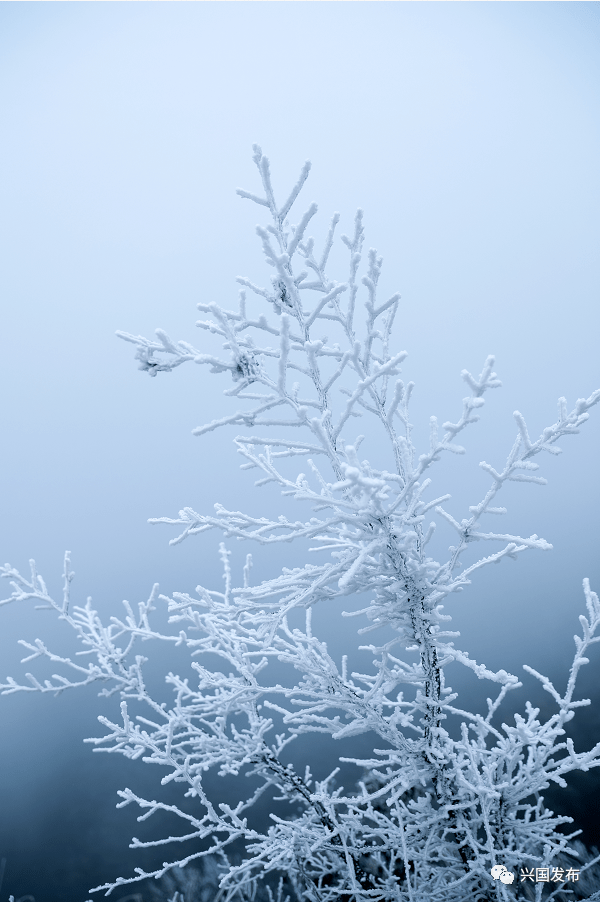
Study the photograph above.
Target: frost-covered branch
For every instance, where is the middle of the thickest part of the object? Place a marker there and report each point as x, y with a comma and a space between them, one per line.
430, 815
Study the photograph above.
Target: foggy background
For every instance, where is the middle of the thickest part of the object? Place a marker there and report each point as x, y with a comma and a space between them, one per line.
468, 133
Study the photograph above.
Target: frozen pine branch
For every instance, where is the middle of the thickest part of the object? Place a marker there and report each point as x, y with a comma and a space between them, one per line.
433, 809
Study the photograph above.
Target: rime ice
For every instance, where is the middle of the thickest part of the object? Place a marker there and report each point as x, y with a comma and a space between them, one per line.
434, 818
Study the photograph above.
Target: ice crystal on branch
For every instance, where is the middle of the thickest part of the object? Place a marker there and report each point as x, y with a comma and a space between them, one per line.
432, 815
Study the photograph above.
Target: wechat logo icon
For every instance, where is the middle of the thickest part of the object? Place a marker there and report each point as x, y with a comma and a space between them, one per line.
500, 872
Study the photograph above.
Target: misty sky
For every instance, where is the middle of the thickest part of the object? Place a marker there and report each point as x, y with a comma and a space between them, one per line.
470, 135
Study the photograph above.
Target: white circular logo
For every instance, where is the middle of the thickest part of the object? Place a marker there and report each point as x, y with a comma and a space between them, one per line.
500, 872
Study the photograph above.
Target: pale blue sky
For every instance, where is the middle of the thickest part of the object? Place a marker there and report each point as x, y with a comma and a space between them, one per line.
470, 135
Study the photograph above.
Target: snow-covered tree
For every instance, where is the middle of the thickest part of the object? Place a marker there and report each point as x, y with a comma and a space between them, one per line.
438, 814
